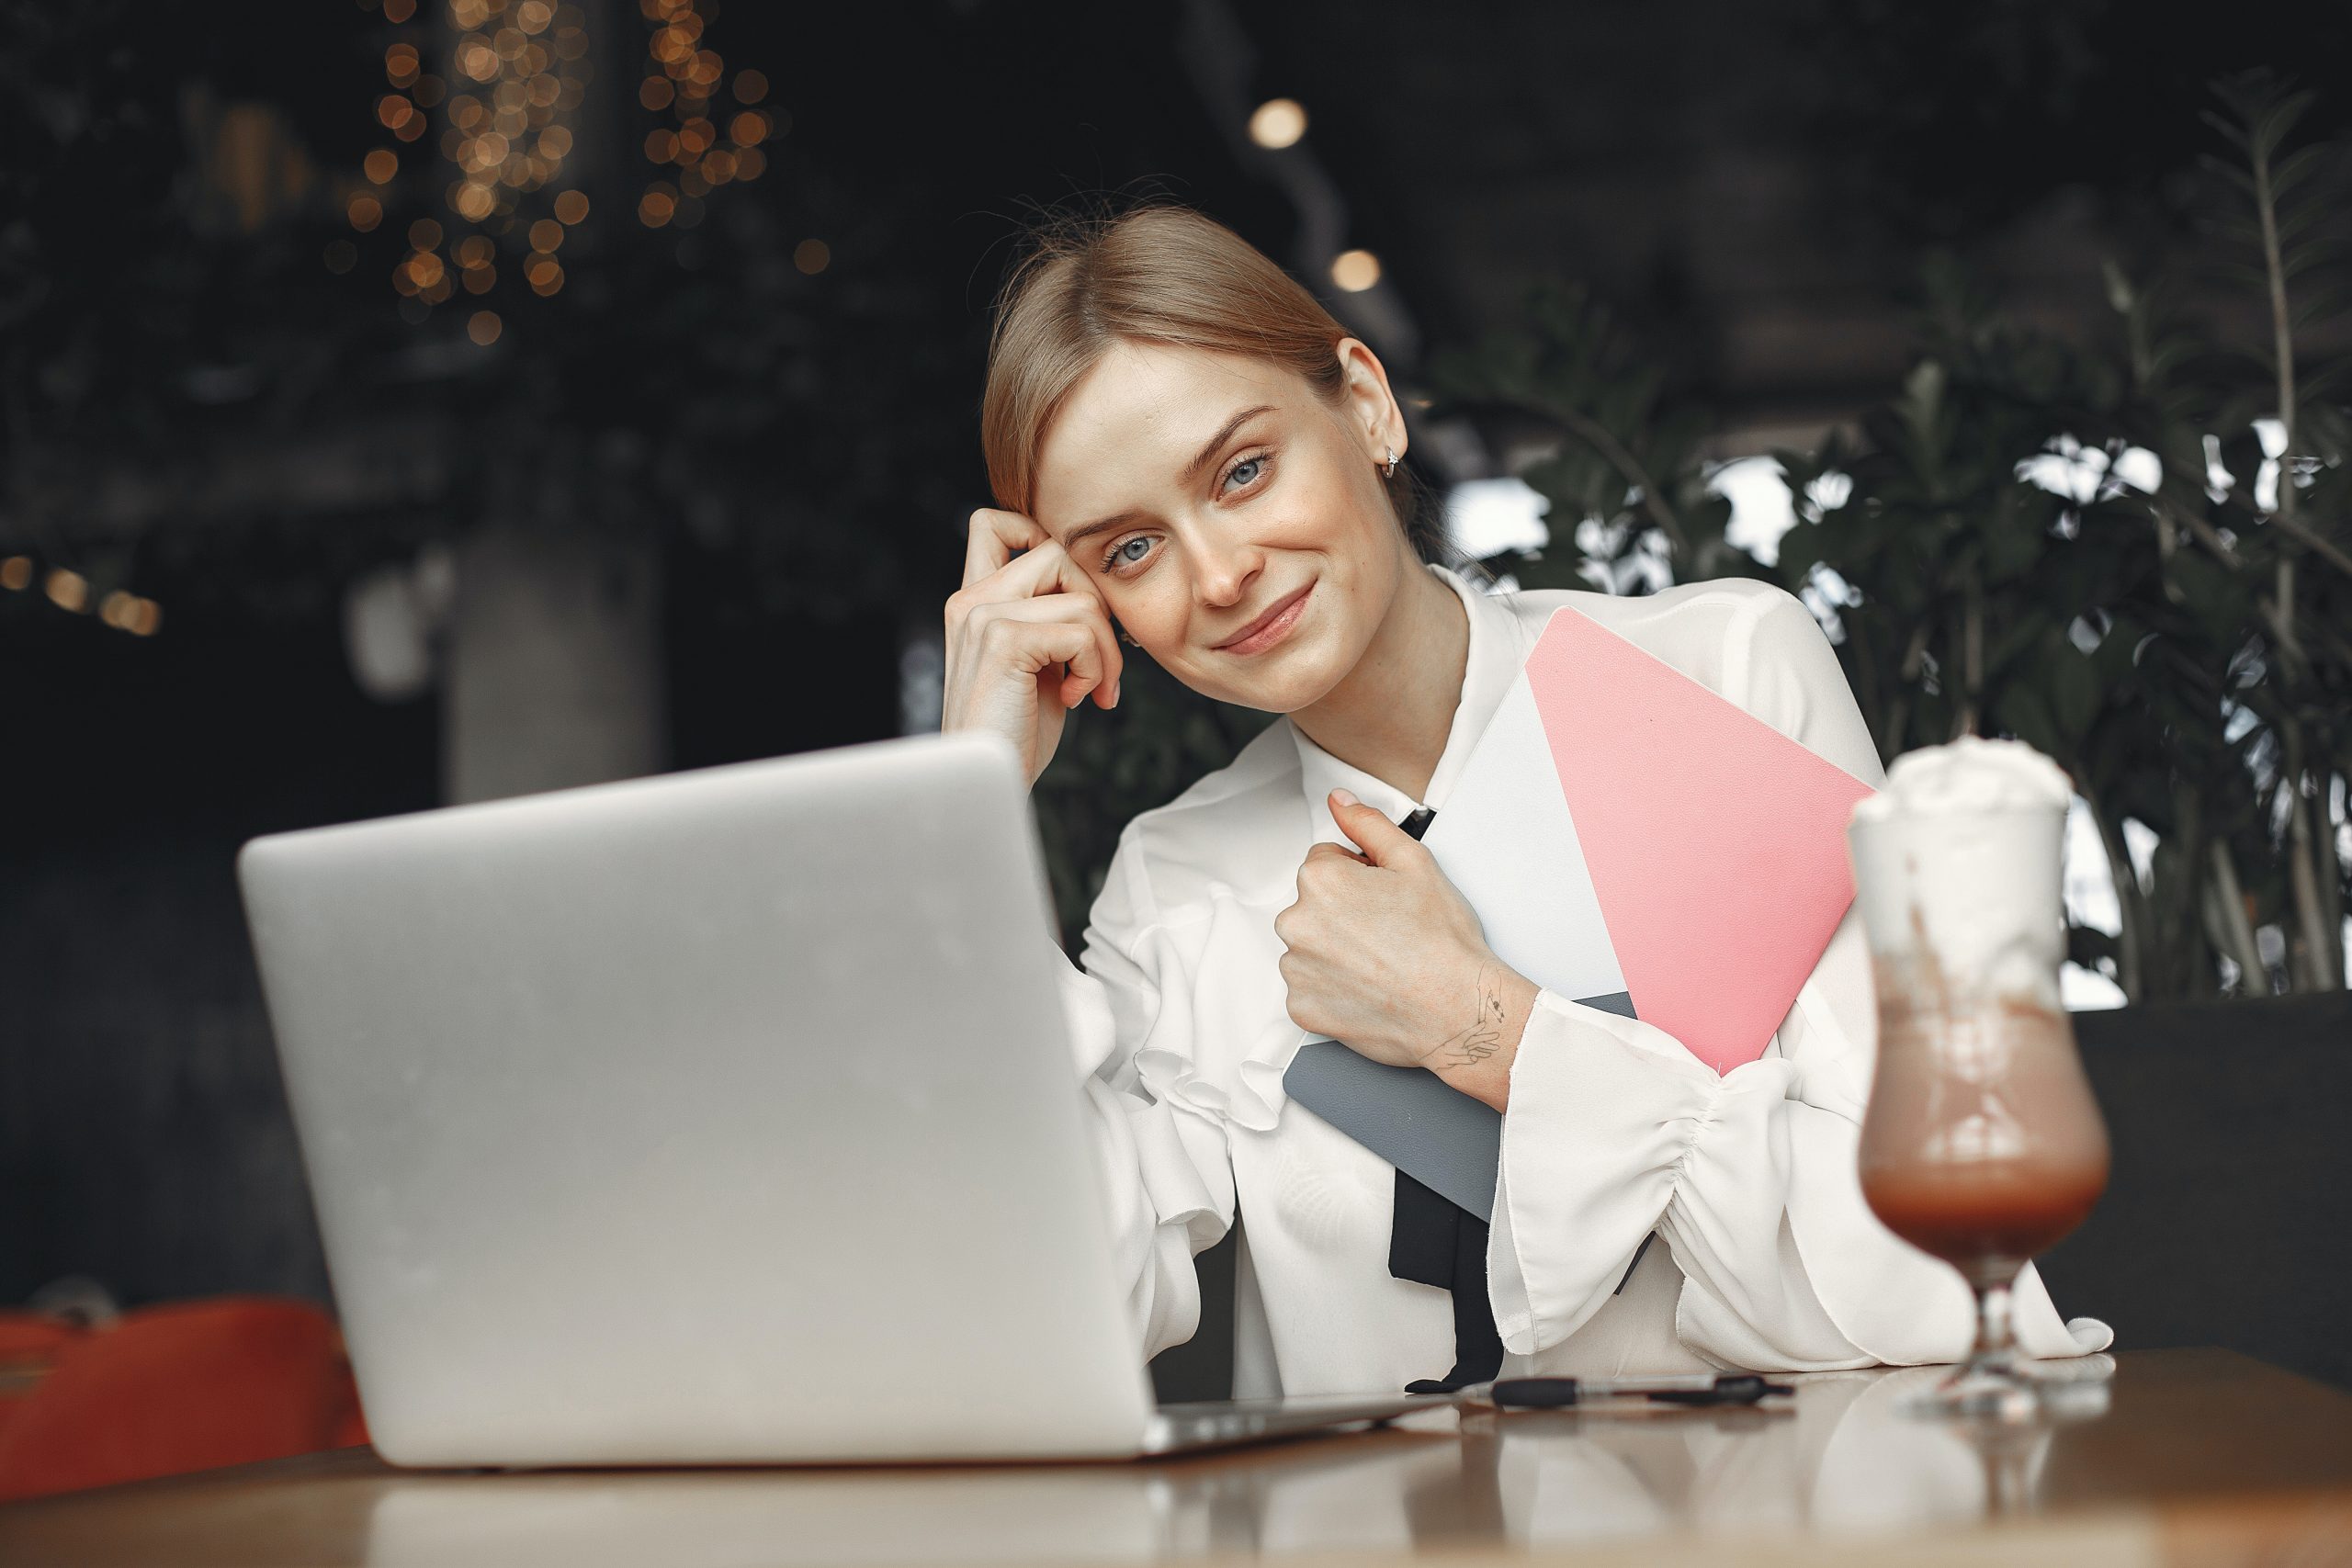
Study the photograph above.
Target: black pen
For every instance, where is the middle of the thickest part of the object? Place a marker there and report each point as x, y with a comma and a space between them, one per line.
1674, 1388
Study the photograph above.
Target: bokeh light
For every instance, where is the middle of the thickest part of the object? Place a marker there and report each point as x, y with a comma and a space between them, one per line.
68, 589
17, 573
518, 68
484, 327
812, 256
1355, 271
1278, 123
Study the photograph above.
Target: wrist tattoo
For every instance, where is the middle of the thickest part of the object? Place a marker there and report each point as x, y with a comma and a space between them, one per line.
1484, 1035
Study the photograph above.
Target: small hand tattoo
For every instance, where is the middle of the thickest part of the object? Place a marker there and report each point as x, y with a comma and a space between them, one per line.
1484, 1035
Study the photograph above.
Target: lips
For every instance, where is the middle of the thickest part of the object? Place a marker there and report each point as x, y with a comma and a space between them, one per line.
1280, 609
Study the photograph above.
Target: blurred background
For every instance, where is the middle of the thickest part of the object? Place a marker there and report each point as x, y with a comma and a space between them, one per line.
413, 401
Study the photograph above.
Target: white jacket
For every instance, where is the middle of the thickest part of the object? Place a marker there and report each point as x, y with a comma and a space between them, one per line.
1772, 1261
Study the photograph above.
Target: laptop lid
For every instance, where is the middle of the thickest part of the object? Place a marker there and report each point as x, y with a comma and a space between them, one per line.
727, 1115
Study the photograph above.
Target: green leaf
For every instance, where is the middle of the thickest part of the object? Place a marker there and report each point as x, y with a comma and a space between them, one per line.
2075, 691
2023, 713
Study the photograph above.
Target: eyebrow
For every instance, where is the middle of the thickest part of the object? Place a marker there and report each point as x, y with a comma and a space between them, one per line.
1206, 456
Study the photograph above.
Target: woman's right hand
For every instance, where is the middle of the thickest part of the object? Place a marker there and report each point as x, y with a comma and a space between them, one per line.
1027, 639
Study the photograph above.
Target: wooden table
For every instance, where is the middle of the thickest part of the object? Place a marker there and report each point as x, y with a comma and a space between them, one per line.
2199, 1457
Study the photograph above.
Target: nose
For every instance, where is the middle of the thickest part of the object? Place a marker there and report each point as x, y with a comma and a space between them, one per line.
1224, 562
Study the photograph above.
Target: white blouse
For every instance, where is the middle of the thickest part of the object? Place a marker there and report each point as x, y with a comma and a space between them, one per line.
1772, 1261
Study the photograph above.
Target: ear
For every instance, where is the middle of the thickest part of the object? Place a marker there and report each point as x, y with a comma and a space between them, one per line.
1372, 409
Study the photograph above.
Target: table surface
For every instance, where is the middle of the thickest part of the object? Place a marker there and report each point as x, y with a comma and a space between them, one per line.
2199, 1457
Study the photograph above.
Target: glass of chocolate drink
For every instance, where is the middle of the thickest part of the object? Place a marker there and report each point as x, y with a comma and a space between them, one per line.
1982, 1144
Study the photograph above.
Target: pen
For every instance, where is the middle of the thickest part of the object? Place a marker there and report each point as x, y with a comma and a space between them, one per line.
1679, 1388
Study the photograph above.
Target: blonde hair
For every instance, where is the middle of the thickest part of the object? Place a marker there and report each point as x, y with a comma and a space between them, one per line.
1158, 273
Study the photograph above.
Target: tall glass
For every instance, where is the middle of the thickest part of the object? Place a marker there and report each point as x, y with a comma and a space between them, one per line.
1982, 1144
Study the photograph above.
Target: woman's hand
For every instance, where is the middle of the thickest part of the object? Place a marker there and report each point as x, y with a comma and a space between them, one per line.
1384, 955
1027, 639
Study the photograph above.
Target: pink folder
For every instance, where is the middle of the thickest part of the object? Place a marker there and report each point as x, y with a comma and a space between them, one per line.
1715, 844
1632, 842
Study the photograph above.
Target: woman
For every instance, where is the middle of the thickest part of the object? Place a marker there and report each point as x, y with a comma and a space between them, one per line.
1191, 455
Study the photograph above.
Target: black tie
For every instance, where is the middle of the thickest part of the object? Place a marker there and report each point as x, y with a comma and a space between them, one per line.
1432, 1240
1435, 1241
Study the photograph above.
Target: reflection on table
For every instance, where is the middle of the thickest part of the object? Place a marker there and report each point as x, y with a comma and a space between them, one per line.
1842, 1465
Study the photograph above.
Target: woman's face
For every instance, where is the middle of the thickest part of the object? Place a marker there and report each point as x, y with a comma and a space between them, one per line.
1194, 527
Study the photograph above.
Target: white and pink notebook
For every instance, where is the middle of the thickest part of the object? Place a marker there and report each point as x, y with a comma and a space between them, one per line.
1631, 839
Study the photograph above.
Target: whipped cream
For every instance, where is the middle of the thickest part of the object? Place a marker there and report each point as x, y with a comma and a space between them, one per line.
1968, 777
1956, 869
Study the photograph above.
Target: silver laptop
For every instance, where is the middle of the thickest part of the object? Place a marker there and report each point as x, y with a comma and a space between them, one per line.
721, 1117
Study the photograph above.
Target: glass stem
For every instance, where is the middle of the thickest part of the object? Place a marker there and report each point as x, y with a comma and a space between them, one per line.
1997, 1347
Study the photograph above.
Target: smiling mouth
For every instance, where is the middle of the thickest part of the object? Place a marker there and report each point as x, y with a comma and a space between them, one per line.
1270, 627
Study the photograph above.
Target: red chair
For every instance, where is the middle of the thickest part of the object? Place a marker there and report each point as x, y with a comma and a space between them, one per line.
164, 1390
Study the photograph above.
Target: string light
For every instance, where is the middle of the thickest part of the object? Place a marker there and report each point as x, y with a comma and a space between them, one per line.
68, 589
520, 70
682, 79
501, 94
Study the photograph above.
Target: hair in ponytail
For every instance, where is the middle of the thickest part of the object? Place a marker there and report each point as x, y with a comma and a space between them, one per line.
1158, 273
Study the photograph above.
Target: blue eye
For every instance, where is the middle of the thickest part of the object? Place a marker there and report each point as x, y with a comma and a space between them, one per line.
1123, 553
1245, 463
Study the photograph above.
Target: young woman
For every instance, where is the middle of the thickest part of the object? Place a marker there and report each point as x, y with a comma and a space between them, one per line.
1191, 456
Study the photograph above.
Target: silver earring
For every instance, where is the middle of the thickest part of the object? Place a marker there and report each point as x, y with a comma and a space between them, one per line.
1391, 471
1130, 641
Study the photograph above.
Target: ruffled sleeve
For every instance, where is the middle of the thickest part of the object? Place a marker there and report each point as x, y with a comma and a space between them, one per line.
1614, 1129
1166, 1179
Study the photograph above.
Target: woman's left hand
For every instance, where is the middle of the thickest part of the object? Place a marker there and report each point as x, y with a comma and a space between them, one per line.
1386, 956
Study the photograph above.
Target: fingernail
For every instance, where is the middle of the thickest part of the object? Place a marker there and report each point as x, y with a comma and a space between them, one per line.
1343, 797
1114, 693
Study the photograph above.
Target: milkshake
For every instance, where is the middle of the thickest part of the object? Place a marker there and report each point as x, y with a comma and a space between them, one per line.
1982, 1144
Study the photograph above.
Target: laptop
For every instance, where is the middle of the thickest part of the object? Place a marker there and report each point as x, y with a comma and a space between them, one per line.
721, 1117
